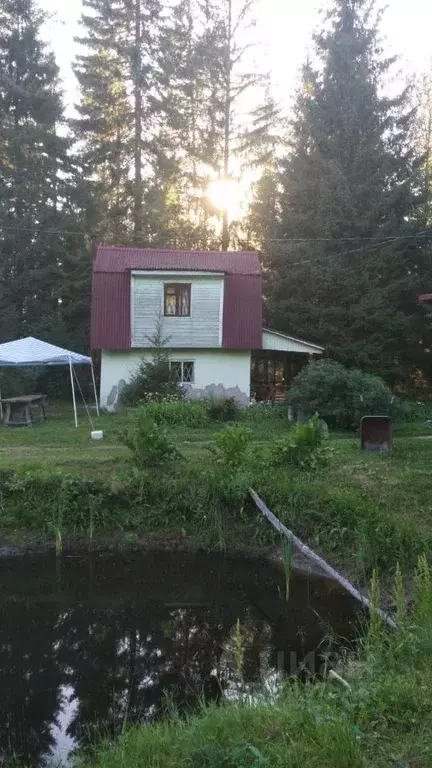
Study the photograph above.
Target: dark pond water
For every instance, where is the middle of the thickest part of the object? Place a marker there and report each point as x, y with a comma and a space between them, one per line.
99, 641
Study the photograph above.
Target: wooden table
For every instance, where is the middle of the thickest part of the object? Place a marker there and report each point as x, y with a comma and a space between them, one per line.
24, 410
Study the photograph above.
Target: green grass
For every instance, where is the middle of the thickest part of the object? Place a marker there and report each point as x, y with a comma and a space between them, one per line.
375, 714
360, 511
57, 444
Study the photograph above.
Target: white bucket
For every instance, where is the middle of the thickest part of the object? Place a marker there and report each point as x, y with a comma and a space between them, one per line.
97, 434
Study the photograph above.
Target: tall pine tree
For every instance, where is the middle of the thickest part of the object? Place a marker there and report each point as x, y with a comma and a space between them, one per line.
208, 89
38, 219
102, 129
118, 111
348, 184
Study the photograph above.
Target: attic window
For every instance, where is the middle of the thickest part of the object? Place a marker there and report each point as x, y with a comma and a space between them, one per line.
177, 299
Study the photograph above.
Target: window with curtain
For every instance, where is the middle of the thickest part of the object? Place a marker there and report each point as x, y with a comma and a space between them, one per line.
177, 300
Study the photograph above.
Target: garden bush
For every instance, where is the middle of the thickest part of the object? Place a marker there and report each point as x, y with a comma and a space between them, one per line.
410, 411
223, 409
303, 447
153, 379
230, 446
147, 442
340, 395
188, 413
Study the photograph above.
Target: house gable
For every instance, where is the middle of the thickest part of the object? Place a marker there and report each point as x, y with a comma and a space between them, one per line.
226, 298
201, 327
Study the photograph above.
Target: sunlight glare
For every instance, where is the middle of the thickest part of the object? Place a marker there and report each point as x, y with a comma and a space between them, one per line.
225, 195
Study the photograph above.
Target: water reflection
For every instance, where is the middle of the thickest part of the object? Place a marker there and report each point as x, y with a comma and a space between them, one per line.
99, 643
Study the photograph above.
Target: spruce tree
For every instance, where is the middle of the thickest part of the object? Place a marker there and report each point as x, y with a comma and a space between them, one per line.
118, 77
102, 129
36, 179
348, 184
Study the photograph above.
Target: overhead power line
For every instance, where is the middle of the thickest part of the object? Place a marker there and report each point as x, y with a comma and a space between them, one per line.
422, 233
362, 249
41, 230
373, 242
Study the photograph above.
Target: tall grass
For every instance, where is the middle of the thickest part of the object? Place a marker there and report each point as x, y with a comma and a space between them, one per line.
187, 413
287, 558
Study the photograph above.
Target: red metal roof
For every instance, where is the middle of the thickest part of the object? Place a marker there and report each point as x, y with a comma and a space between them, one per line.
425, 298
111, 311
110, 258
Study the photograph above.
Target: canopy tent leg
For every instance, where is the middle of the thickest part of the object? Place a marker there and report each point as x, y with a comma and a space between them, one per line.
73, 392
94, 388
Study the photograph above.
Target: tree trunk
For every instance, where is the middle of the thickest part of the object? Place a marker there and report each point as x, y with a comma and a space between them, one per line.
138, 202
227, 120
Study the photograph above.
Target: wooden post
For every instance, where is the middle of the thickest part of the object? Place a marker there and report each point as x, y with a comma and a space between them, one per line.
280, 527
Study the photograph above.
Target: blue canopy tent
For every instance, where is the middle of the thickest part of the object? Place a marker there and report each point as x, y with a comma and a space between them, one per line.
30, 352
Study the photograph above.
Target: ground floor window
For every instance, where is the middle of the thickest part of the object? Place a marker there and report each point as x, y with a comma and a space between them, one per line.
184, 370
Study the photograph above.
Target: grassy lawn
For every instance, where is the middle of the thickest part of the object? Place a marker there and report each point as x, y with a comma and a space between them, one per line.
57, 444
399, 482
359, 511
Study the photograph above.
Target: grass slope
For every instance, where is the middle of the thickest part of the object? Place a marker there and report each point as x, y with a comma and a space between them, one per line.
360, 512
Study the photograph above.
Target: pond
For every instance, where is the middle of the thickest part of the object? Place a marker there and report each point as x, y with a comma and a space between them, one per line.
91, 643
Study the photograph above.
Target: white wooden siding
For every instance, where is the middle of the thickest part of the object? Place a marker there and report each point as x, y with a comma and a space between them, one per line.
200, 330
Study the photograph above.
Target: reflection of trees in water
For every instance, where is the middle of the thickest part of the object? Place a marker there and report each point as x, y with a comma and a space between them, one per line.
122, 662
117, 657
30, 679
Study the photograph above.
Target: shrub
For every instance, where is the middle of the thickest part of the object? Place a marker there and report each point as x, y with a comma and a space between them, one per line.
303, 447
148, 443
231, 445
178, 412
409, 411
153, 380
223, 409
340, 395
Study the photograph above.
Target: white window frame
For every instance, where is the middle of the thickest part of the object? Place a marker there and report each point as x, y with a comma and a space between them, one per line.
182, 363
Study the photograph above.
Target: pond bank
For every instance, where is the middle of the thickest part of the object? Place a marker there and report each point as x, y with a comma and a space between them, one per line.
34, 544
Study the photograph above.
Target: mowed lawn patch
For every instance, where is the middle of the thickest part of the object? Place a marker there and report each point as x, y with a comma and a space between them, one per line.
56, 443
